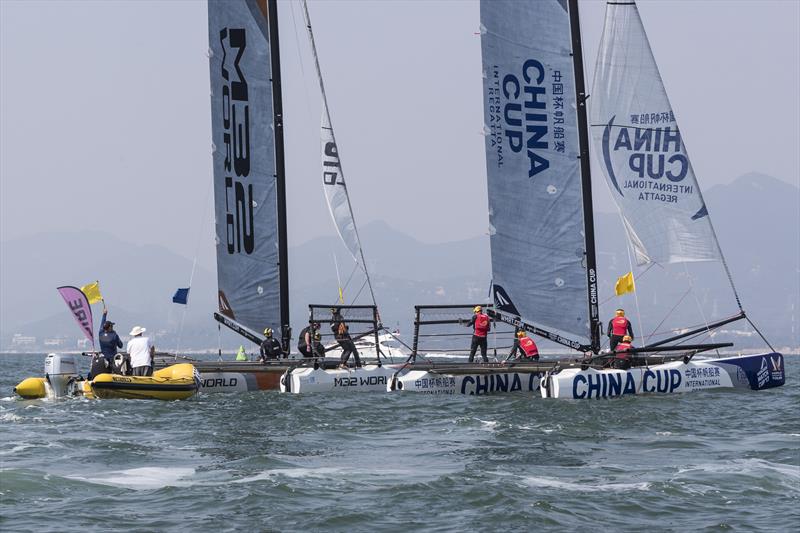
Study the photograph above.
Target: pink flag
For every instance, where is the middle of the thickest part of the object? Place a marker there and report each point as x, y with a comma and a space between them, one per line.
79, 306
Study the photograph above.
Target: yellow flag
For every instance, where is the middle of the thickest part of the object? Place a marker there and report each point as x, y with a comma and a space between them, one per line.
92, 292
624, 284
341, 296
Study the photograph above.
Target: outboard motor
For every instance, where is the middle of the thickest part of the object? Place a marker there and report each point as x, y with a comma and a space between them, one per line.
60, 373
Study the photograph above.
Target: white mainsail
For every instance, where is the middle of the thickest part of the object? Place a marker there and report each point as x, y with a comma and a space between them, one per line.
643, 155
245, 190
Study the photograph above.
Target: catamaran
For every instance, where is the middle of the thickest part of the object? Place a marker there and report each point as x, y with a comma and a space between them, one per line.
250, 201
544, 268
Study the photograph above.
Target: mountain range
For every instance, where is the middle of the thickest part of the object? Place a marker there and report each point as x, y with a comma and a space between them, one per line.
756, 218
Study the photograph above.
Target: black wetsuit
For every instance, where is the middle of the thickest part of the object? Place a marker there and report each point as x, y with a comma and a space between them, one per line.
616, 339
302, 345
271, 348
340, 332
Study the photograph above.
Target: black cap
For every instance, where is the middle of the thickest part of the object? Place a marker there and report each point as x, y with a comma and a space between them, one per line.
108, 323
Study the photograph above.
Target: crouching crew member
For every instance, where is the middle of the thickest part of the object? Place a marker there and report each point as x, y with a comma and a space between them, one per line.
305, 340
481, 326
524, 348
618, 327
270, 347
623, 356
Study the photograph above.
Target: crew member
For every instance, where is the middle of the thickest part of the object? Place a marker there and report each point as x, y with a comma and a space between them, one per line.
240, 354
525, 346
304, 341
317, 348
342, 335
270, 347
141, 351
109, 340
618, 327
623, 357
481, 326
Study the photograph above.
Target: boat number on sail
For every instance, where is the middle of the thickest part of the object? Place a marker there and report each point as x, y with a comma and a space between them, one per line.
638, 158
235, 111
519, 117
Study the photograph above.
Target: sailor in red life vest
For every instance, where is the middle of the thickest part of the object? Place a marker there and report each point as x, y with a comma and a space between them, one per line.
525, 346
481, 324
618, 327
623, 357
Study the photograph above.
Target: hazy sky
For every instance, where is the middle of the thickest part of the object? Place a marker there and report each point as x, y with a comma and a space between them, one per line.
106, 123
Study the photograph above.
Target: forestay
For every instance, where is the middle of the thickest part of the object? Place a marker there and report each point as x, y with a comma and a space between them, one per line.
643, 154
532, 158
244, 163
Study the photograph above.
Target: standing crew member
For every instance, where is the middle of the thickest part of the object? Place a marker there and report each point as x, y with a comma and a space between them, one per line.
305, 340
525, 346
618, 327
623, 357
109, 340
342, 335
270, 347
141, 351
481, 324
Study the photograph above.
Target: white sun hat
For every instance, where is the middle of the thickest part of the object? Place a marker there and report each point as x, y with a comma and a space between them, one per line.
137, 330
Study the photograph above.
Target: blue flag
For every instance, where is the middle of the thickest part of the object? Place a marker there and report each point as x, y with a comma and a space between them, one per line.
181, 296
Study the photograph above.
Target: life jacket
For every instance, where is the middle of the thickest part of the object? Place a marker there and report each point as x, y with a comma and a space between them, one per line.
622, 350
619, 326
529, 347
240, 355
481, 325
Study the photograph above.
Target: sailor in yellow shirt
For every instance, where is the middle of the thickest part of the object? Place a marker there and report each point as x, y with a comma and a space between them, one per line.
240, 355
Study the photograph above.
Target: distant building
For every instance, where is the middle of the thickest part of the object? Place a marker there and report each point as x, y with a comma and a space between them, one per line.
22, 341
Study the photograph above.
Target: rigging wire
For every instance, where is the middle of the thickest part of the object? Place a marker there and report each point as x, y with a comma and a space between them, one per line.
697, 300
363, 261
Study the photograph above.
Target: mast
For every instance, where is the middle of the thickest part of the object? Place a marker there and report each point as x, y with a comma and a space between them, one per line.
280, 171
586, 176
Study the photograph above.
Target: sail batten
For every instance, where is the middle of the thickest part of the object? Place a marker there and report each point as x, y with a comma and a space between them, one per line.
536, 212
244, 162
642, 153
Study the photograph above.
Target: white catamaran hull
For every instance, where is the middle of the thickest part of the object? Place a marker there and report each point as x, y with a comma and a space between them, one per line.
366, 378
467, 384
754, 372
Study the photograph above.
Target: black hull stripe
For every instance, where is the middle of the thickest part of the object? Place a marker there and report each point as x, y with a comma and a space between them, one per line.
143, 386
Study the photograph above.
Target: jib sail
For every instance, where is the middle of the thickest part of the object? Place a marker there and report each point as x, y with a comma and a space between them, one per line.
532, 156
245, 189
641, 148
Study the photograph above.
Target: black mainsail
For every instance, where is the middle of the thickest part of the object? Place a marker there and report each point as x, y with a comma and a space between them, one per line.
249, 195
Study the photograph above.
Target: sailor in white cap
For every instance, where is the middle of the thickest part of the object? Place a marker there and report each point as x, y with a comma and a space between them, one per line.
141, 351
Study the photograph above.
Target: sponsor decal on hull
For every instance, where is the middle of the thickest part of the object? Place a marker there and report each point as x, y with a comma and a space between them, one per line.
471, 384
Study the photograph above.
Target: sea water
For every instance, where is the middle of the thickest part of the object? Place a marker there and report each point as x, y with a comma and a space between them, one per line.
713, 460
